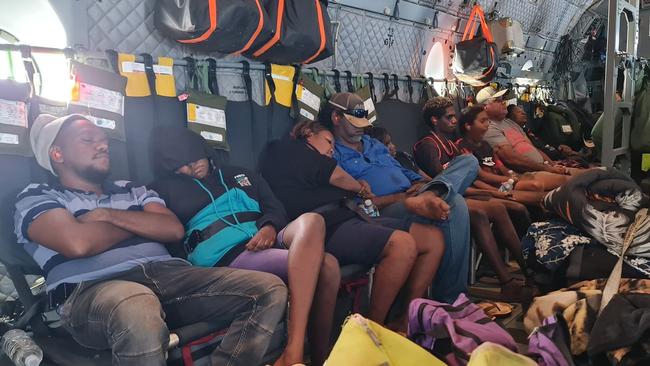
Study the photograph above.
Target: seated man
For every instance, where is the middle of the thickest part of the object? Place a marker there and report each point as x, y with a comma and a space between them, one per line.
107, 272
563, 155
509, 141
438, 202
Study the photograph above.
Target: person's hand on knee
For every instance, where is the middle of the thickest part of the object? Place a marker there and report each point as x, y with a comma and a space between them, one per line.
264, 239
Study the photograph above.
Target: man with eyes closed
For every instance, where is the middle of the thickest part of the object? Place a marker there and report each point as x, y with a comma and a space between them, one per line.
101, 247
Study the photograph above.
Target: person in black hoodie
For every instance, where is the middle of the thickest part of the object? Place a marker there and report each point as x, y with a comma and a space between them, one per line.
233, 219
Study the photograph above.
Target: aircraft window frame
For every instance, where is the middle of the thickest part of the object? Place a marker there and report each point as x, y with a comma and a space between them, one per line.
435, 65
52, 78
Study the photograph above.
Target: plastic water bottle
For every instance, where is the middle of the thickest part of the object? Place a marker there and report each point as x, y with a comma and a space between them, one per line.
507, 186
370, 208
21, 349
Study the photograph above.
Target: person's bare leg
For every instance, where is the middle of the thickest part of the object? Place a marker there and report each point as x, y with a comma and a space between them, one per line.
322, 311
480, 225
529, 198
505, 230
305, 237
430, 245
428, 205
544, 180
577, 171
391, 273
518, 213
481, 214
529, 185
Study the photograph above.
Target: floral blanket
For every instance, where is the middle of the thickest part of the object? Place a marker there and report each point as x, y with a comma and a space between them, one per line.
551, 242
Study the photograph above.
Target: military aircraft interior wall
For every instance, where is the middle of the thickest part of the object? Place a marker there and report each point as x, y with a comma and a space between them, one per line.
324, 182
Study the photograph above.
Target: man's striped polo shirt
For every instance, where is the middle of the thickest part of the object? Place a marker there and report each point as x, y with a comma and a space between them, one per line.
121, 195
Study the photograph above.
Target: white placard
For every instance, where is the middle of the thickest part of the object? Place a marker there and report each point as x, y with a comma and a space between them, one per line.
209, 116
305, 113
55, 110
567, 129
162, 69
280, 77
369, 105
128, 66
106, 123
212, 136
13, 113
9, 138
309, 98
96, 97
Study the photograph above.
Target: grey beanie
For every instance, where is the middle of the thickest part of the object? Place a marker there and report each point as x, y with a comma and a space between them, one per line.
43, 133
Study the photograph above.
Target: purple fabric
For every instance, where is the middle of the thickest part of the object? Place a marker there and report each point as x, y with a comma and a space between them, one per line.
453, 331
273, 260
270, 260
543, 347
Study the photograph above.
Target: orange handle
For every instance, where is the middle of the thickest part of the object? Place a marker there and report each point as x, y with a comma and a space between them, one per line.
471, 26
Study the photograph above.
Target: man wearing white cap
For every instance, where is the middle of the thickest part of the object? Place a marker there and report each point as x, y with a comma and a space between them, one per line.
508, 139
107, 272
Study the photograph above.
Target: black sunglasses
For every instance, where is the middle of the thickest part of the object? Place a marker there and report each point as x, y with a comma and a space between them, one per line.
359, 113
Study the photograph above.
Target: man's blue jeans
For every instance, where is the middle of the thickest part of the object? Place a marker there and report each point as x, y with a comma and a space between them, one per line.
452, 275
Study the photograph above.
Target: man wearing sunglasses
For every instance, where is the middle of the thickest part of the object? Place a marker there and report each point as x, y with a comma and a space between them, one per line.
402, 193
508, 139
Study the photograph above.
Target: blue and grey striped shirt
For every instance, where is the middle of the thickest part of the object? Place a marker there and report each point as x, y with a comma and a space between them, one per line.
121, 195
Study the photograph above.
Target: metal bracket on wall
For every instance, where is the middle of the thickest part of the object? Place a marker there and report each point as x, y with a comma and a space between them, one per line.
622, 40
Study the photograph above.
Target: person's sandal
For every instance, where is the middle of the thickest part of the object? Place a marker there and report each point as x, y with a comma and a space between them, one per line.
496, 309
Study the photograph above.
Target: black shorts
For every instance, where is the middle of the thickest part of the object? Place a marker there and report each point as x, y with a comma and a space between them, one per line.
358, 242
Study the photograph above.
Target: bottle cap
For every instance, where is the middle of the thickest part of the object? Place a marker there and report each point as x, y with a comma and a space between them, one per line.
33, 360
367, 202
511, 181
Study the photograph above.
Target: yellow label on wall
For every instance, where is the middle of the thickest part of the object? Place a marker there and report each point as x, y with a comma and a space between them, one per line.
283, 80
165, 84
136, 79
